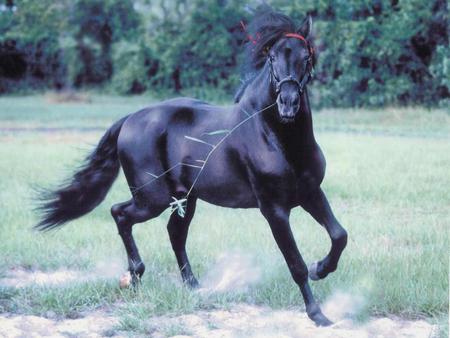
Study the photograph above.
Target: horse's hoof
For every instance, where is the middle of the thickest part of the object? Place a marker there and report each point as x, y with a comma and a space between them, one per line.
321, 320
315, 314
135, 281
129, 281
312, 271
192, 283
125, 280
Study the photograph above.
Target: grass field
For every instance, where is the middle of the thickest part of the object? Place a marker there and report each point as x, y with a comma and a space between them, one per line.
387, 179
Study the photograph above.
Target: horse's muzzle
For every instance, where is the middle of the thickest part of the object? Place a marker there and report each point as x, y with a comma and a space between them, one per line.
288, 112
288, 106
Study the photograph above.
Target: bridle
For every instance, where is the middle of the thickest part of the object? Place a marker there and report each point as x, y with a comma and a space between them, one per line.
307, 63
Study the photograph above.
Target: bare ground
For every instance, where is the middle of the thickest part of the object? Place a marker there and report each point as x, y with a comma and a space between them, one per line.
240, 320
244, 320
94, 324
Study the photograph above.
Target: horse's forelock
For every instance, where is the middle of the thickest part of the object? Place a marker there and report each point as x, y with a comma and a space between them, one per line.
267, 28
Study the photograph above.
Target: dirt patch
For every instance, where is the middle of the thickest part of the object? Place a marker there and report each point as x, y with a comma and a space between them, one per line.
95, 324
67, 96
239, 321
255, 321
51, 135
20, 277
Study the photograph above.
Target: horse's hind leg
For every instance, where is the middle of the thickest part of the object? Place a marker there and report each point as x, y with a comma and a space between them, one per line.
317, 205
178, 230
126, 215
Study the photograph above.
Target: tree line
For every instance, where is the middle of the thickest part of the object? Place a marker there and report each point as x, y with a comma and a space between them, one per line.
370, 52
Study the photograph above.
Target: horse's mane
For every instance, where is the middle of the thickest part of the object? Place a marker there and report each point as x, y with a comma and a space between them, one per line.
266, 28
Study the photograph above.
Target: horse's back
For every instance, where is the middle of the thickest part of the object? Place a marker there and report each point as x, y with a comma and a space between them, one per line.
160, 137
152, 121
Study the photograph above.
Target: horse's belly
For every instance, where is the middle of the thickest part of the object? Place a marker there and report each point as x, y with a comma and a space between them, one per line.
230, 193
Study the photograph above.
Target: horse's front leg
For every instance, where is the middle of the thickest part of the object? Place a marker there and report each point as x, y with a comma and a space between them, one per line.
278, 218
317, 205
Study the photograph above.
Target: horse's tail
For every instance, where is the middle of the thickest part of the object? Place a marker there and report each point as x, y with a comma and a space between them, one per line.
88, 186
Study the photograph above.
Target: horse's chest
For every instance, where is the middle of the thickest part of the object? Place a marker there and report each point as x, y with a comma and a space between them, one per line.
289, 177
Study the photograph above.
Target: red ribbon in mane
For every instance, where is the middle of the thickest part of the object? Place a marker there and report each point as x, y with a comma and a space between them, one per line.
249, 36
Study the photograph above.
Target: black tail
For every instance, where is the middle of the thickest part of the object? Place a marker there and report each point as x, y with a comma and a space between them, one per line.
87, 188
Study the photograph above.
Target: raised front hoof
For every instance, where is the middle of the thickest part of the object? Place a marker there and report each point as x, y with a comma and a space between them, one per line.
312, 271
316, 315
315, 273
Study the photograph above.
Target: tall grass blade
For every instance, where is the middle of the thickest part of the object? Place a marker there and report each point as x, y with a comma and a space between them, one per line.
217, 132
246, 113
199, 141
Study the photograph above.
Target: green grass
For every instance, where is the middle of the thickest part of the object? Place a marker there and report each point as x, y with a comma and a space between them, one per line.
387, 180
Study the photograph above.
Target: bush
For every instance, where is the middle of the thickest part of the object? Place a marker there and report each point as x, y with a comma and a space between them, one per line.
371, 53
134, 68
380, 52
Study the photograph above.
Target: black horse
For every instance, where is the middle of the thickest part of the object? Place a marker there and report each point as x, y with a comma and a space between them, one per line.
259, 153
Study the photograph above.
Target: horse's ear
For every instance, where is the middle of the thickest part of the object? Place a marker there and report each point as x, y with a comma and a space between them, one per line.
306, 27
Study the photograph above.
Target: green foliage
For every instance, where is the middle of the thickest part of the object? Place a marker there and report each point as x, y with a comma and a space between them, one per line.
29, 35
440, 70
96, 25
196, 45
371, 52
135, 67
379, 52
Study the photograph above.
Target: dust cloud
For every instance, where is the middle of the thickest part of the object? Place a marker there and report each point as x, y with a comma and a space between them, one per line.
233, 271
341, 305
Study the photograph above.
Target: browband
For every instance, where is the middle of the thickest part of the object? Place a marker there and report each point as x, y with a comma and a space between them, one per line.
300, 37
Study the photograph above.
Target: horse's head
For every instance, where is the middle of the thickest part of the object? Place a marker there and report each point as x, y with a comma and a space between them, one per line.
290, 62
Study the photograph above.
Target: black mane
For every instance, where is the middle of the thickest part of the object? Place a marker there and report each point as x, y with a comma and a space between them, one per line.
266, 29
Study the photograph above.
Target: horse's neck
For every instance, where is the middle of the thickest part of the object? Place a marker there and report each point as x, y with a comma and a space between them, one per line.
259, 95
305, 119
